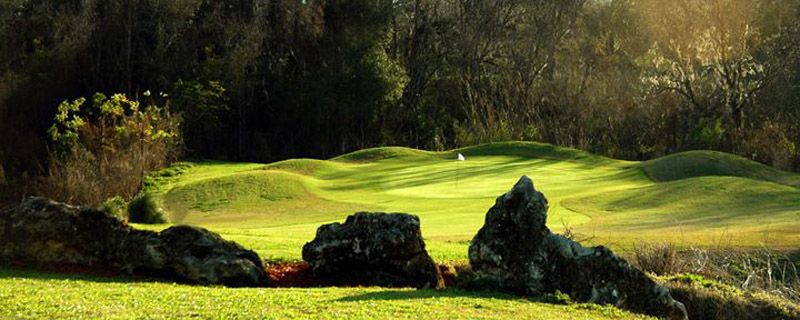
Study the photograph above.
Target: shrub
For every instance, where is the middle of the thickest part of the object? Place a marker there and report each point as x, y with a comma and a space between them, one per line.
449, 274
707, 299
556, 298
731, 277
770, 143
658, 258
116, 206
144, 209
103, 148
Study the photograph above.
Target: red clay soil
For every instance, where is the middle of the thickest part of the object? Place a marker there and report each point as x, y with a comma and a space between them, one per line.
299, 275
283, 275
448, 275
293, 275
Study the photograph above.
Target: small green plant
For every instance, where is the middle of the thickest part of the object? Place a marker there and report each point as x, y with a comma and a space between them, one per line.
696, 280
144, 209
116, 206
557, 298
693, 278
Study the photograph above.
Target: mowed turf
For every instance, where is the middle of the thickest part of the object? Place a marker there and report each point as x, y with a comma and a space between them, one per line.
698, 198
28, 294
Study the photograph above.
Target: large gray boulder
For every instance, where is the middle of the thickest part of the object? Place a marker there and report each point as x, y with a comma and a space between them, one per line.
516, 252
204, 257
43, 232
376, 249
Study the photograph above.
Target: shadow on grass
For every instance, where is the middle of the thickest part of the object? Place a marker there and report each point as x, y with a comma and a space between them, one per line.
75, 274
394, 294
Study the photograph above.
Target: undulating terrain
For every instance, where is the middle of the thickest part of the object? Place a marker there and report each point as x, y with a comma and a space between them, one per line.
697, 198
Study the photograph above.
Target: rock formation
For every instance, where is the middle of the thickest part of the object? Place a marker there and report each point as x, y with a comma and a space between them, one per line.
39, 231
373, 249
516, 252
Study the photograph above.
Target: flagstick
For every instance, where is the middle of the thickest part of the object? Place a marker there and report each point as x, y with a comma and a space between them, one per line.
459, 159
457, 173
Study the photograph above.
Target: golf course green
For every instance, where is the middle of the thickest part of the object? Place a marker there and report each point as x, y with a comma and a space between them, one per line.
697, 198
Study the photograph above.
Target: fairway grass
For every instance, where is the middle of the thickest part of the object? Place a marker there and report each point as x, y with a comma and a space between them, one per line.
30, 294
697, 198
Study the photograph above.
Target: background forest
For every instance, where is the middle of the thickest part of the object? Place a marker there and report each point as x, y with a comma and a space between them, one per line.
264, 80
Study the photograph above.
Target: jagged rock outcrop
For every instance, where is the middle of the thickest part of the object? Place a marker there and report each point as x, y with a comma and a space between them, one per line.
39, 231
376, 249
516, 252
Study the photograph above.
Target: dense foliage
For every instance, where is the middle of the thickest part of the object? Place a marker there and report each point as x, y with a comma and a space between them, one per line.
261, 80
104, 148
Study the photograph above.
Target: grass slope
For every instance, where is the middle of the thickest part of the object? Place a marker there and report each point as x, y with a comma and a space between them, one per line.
711, 163
693, 198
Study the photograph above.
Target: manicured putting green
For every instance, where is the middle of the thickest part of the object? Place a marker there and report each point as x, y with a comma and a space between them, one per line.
699, 198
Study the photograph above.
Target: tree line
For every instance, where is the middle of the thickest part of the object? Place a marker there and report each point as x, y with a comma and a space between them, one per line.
263, 80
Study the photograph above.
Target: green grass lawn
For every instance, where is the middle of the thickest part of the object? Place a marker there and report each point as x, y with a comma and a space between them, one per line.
29, 294
698, 198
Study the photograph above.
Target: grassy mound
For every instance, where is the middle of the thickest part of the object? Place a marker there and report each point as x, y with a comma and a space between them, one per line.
701, 208
376, 154
533, 150
207, 195
267, 197
308, 167
711, 163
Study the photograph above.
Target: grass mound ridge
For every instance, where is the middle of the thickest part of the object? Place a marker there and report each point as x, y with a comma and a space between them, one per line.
712, 163
533, 150
306, 167
708, 206
211, 194
375, 154
521, 149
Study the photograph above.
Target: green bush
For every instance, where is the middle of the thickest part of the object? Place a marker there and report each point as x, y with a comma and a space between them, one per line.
116, 206
557, 298
707, 299
144, 209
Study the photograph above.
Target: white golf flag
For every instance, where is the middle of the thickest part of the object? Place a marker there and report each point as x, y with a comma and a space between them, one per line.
461, 157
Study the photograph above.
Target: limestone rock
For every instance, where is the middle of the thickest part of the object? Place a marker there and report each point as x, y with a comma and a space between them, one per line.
44, 232
515, 251
373, 249
203, 256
